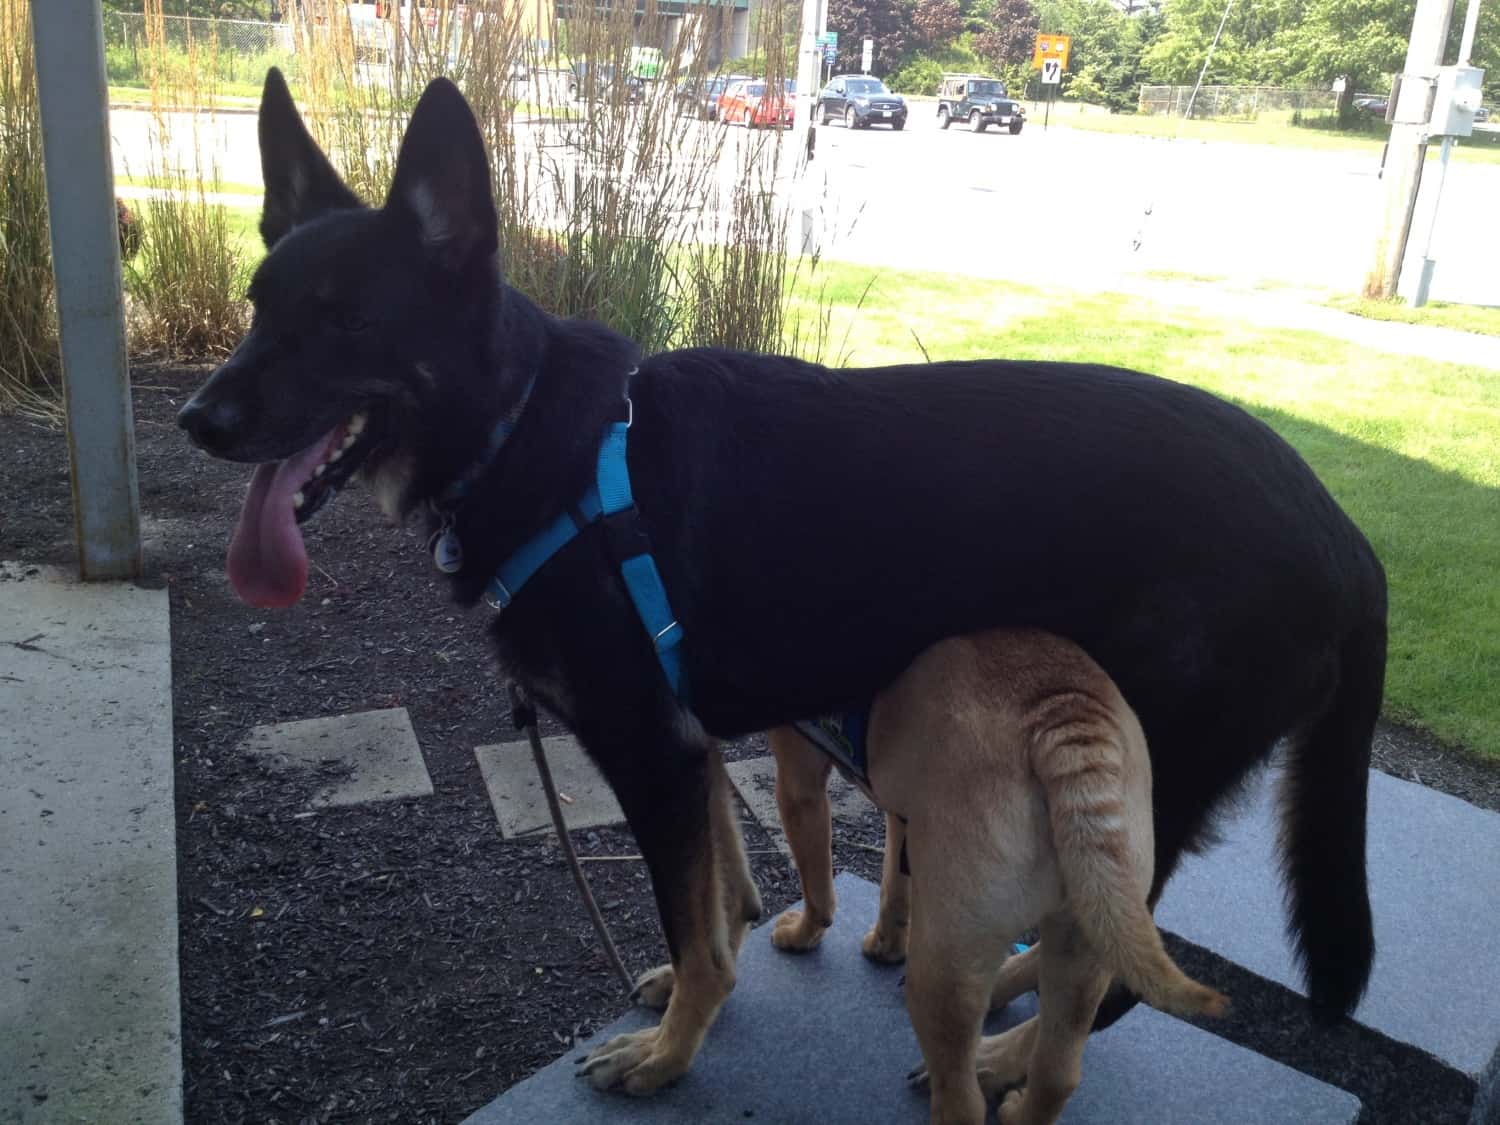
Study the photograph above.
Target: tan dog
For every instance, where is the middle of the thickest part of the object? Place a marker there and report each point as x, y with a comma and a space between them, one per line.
1025, 784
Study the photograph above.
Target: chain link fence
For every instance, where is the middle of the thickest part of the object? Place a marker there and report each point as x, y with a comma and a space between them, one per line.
241, 37
236, 51
1236, 103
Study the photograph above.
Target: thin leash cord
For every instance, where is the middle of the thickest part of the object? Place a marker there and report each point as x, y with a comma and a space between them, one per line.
1140, 234
523, 714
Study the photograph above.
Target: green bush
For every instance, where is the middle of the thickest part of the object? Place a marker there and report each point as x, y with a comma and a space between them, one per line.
919, 76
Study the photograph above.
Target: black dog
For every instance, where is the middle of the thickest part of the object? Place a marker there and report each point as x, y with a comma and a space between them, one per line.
814, 530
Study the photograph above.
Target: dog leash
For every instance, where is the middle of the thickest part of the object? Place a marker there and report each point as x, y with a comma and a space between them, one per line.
523, 715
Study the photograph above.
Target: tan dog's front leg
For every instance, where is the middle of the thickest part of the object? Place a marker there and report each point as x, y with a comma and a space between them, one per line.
806, 818
886, 941
1018, 976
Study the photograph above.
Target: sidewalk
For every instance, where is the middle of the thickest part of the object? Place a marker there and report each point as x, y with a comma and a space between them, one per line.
1447, 345
89, 1009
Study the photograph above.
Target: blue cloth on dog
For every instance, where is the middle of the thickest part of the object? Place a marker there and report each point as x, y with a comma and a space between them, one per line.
843, 738
608, 497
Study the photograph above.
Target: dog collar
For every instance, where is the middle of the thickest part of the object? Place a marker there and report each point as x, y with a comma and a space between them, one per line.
444, 545
459, 487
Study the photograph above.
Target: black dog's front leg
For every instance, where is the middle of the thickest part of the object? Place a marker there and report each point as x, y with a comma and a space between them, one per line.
680, 807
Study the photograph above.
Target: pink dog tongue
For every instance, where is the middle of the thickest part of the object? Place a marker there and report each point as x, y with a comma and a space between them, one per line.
267, 559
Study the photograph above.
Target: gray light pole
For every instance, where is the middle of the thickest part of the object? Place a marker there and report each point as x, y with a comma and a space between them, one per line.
69, 40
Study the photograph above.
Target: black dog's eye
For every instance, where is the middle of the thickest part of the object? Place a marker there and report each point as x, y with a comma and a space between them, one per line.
351, 321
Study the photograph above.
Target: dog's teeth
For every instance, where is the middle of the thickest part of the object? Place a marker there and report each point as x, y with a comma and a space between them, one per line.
337, 453
320, 470
298, 500
350, 439
357, 424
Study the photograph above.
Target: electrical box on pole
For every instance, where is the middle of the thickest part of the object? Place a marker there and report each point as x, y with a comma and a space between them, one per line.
1456, 97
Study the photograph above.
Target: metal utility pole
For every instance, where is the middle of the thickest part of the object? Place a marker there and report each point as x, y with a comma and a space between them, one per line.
1407, 151
809, 69
69, 39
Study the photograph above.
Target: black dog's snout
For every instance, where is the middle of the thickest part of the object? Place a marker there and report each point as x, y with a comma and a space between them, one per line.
212, 425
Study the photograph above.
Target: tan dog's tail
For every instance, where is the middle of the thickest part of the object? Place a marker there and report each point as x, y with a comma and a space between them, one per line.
1078, 757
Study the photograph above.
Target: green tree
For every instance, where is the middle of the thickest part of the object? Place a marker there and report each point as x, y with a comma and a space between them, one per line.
1105, 60
937, 23
887, 22
1010, 34
1361, 41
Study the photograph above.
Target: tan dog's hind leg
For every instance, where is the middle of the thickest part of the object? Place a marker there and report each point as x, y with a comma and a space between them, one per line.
886, 941
806, 818
1072, 984
946, 990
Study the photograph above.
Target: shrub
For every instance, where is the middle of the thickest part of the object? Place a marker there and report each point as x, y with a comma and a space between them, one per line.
921, 75
186, 281
28, 319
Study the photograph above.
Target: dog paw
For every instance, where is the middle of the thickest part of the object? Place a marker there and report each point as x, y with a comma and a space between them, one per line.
634, 1063
1001, 1060
653, 988
796, 932
887, 946
1012, 1110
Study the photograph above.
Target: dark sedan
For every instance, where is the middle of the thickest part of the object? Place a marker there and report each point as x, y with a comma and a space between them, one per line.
860, 101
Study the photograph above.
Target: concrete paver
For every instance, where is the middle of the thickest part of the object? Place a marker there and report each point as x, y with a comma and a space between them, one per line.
377, 749
1434, 870
89, 1007
824, 1037
516, 791
755, 778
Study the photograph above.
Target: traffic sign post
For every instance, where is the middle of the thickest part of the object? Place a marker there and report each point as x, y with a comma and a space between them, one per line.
1050, 56
868, 57
828, 44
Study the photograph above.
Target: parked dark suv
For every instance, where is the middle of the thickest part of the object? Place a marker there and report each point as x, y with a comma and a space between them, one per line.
978, 100
861, 101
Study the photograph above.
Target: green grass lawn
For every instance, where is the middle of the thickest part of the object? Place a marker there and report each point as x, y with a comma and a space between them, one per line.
1412, 452
1267, 130
244, 95
224, 187
1438, 314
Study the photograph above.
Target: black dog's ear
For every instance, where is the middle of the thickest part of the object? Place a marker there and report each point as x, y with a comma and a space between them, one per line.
442, 179
300, 182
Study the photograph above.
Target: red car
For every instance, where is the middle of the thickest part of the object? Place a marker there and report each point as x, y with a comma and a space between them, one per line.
748, 103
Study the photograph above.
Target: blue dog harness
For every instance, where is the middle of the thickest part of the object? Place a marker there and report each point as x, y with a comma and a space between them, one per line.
843, 738
608, 501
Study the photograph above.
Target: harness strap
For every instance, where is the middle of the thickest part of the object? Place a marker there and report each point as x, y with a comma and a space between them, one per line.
609, 500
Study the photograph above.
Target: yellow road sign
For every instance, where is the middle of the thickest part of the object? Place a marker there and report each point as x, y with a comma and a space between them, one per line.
1050, 46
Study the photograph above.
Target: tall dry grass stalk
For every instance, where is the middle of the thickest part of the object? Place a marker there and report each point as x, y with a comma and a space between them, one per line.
187, 283
29, 358
667, 228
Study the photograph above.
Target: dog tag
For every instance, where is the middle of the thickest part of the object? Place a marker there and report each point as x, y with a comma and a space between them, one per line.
447, 551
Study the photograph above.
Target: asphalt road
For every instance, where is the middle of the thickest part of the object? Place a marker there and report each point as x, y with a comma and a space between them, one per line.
1062, 206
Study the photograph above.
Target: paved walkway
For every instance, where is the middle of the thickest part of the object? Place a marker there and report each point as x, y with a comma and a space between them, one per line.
1277, 310
89, 1025
823, 1038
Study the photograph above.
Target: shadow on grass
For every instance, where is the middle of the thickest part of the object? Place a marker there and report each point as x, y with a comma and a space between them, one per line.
1438, 535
